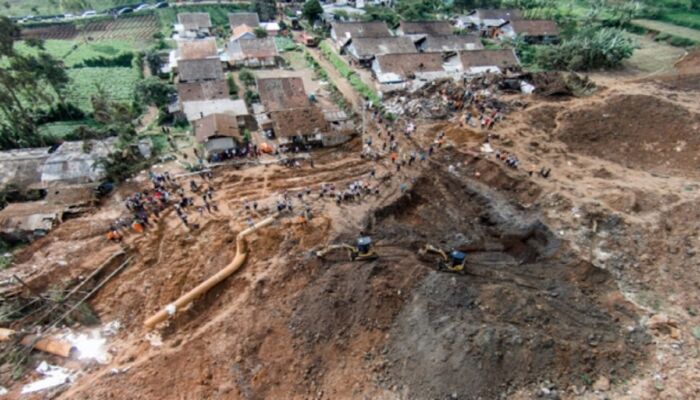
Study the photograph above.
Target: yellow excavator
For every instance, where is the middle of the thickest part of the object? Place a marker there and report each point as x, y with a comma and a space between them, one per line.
453, 262
362, 252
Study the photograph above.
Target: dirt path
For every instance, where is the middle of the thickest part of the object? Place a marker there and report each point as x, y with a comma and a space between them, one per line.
343, 85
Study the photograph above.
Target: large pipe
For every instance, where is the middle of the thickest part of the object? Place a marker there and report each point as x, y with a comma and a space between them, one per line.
47, 345
187, 298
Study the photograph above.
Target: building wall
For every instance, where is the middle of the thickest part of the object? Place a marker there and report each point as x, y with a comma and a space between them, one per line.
219, 144
334, 140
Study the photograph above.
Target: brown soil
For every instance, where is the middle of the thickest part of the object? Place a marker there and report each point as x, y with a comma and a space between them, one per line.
637, 131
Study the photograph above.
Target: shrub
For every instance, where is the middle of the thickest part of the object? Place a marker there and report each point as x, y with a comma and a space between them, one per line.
247, 77
588, 50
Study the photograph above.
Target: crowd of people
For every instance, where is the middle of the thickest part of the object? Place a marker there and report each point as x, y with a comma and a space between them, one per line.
146, 207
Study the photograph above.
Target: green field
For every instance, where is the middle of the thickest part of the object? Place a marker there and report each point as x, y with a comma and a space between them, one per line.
19, 8
671, 29
687, 19
64, 128
118, 83
74, 52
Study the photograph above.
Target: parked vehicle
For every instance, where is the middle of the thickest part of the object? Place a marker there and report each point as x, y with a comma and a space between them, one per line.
141, 7
89, 13
125, 10
161, 4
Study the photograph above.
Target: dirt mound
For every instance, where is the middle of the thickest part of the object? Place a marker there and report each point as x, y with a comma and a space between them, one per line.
525, 311
637, 131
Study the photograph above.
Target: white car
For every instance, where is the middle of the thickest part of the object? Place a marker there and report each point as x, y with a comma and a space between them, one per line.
89, 13
143, 6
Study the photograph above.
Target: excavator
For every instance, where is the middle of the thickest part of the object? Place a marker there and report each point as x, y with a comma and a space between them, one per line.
361, 252
454, 262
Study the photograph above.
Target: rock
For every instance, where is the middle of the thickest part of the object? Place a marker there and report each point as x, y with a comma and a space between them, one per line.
602, 384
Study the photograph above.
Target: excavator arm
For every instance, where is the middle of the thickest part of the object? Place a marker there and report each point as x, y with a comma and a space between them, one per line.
322, 253
428, 248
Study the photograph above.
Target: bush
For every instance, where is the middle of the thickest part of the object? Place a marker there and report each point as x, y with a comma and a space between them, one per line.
246, 77
232, 87
122, 60
678, 41
251, 97
588, 50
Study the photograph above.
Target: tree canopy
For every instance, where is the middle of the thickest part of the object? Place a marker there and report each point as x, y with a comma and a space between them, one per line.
312, 10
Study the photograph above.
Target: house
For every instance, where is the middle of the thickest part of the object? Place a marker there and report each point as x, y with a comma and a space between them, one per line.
271, 28
252, 53
341, 12
485, 19
531, 30
282, 93
193, 24
196, 49
204, 90
294, 119
205, 69
363, 50
446, 43
195, 110
480, 61
218, 132
249, 19
419, 29
242, 32
301, 126
343, 32
398, 71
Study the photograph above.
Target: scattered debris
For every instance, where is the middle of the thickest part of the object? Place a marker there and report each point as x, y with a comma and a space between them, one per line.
53, 376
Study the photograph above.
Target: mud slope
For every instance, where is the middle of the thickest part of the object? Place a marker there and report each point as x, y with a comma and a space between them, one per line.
637, 131
525, 311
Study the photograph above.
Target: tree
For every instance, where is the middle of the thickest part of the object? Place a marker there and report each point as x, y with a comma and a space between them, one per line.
266, 9
232, 87
312, 10
154, 62
9, 32
590, 49
260, 32
247, 77
417, 10
154, 91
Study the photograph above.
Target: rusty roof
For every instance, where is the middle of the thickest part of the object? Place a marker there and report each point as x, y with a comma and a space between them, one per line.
433, 43
385, 45
282, 93
257, 48
194, 21
206, 90
535, 27
243, 18
506, 14
487, 58
407, 64
299, 121
346, 30
200, 70
196, 49
426, 27
216, 125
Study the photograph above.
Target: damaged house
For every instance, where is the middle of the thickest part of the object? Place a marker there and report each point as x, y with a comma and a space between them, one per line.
396, 71
253, 53
343, 32
363, 50
492, 61
218, 132
294, 119
193, 25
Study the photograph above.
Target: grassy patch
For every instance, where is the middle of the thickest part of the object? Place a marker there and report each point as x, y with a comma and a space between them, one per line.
65, 128
285, 44
671, 29
345, 70
119, 83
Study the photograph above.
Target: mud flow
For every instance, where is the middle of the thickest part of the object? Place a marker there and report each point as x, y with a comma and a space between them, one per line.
524, 309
